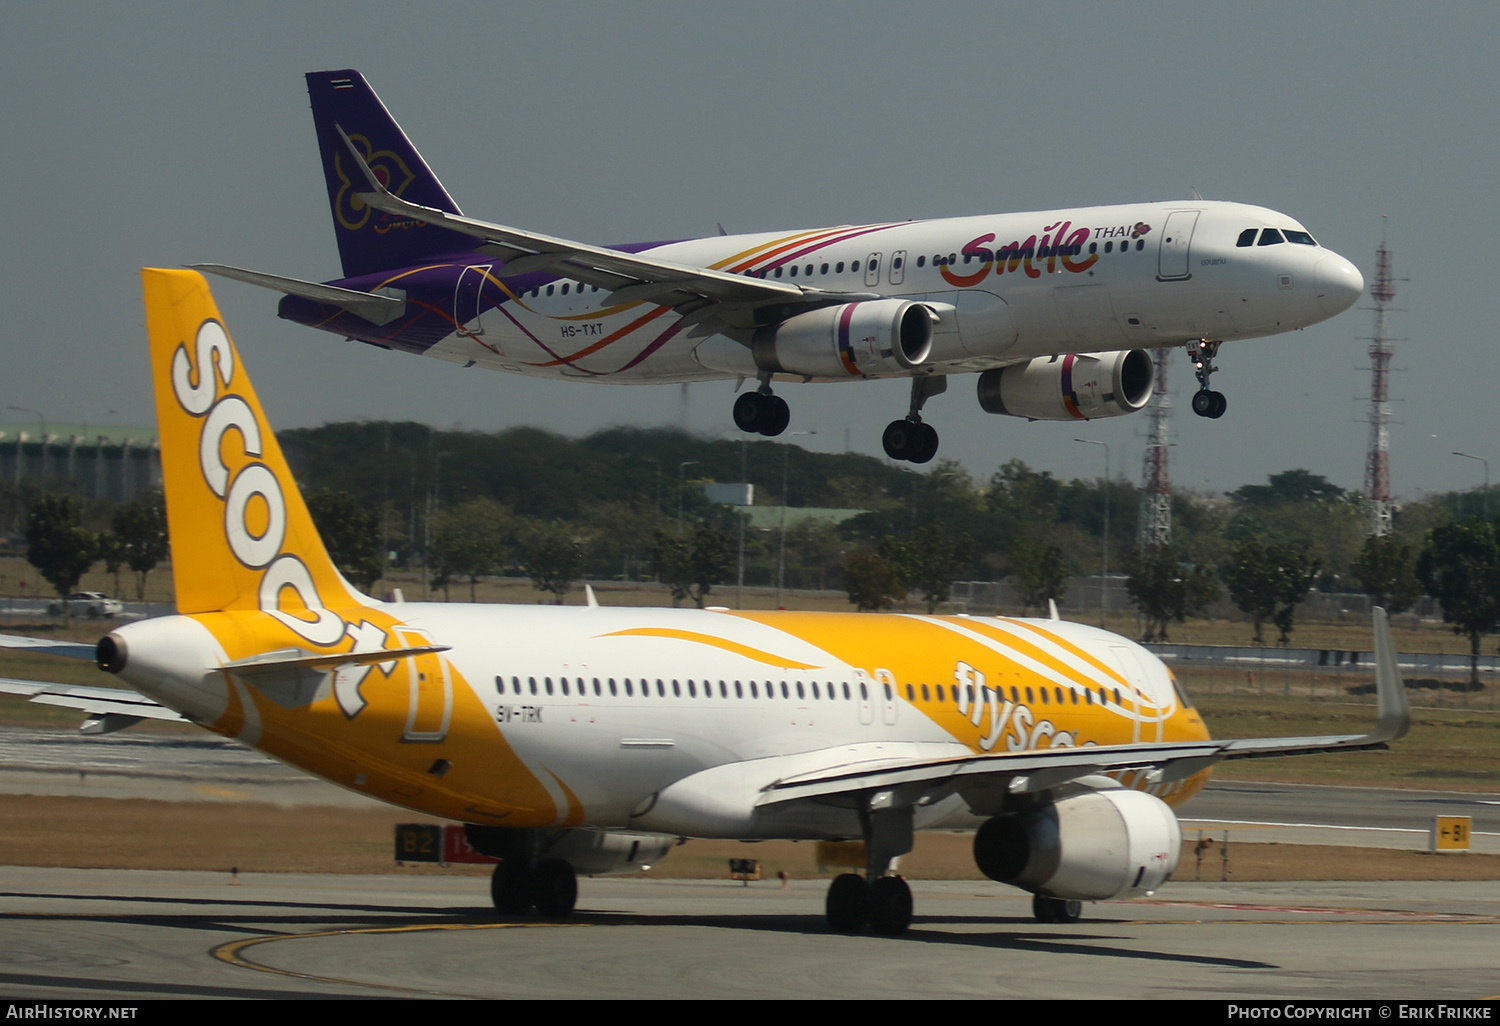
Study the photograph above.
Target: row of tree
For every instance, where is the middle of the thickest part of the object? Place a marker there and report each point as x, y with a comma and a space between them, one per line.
620, 504
63, 550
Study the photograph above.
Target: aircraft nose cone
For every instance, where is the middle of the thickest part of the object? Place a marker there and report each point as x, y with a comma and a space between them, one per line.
1337, 284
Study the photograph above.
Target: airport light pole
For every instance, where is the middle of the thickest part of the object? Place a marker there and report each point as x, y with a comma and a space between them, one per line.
781, 548
739, 583
681, 480
1104, 573
1481, 459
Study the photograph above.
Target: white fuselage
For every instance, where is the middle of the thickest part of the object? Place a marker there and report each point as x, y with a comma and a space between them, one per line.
1005, 287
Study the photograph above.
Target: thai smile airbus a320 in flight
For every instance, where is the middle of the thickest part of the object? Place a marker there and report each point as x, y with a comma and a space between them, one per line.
1053, 311
590, 740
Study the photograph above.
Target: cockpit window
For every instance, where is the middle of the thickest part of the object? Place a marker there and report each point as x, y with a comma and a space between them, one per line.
1247, 237
1271, 237
1300, 238
1182, 695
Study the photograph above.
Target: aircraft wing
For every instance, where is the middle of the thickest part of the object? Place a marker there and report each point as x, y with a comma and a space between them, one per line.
1040, 769
630, 277
108, 709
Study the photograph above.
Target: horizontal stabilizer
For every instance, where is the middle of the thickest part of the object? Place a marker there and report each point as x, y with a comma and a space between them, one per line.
297, 659
379, 307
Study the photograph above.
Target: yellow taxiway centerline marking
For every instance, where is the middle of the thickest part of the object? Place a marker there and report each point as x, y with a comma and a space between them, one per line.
231, 952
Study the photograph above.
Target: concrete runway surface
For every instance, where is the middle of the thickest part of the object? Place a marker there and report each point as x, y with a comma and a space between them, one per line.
95, 934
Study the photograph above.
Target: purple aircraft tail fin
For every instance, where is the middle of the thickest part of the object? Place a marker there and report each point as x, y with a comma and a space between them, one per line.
369, 240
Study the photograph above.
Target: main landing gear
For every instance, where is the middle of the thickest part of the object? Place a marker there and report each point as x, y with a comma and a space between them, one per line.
549, 887
1206, 403
877, 901
762, 413
1056, 910
910, 439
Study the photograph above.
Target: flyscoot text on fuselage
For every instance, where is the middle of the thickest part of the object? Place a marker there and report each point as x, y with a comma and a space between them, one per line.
1054, 312
589, 740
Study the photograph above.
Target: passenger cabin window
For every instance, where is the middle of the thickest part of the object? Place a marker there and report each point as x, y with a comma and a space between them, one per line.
1270, 237
1247, 238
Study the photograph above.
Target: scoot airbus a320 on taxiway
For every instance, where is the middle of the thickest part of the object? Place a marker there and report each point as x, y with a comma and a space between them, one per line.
1053, 310
588, 740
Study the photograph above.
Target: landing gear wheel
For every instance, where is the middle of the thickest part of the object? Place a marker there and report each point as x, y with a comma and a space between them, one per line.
890, 905
929, 444
1056, 910
848, 905
1209, 404
750, 412
510, 889
778, 418
554, 888
762, 414
898, 440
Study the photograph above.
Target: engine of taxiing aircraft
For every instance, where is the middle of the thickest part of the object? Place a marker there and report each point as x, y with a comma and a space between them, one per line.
880, 336
1085, 847
1071, 386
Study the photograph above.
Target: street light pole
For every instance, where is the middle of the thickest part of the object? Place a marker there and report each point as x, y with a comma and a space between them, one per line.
680, 481
781, 548
739, 583
1481, 459
1104, 573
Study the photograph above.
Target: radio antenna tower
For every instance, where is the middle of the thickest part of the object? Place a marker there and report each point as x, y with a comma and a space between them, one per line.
1378, 460
1156, 482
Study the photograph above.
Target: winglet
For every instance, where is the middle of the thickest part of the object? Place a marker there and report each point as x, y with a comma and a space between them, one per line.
1393, 718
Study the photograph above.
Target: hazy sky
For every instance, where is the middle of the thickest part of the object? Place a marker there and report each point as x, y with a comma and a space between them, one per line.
162, 134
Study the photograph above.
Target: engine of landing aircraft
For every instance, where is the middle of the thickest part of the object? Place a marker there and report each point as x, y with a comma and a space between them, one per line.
1073, 386
882, 336
589, 852
1087, 847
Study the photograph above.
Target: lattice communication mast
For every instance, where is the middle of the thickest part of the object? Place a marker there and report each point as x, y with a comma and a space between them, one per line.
1156, 481
1378, 460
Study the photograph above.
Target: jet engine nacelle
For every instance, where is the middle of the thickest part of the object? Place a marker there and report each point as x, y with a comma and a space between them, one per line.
879, 336
1073, 386
1087, 847
589, 852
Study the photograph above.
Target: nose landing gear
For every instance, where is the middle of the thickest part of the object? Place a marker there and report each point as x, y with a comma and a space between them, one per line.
1206, 403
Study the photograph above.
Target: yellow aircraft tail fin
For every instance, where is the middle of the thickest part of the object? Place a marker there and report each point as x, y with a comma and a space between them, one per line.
241, 534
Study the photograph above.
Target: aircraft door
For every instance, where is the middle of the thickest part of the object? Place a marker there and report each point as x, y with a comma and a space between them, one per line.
862, 686
1176, 240
872, 270
466, 299
885, 694
898, 267
429, 690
